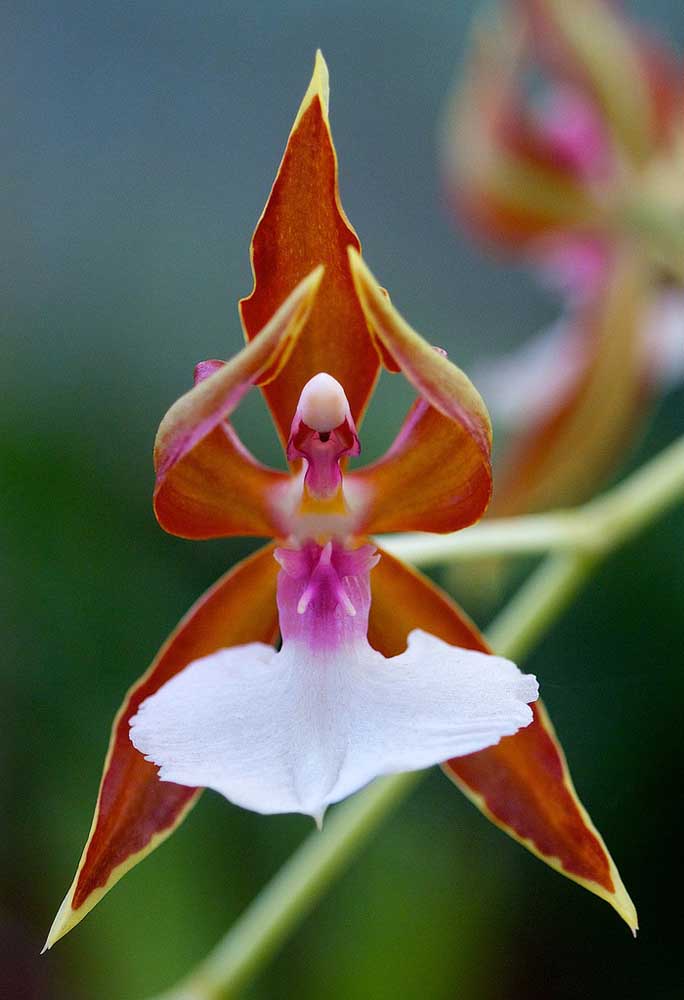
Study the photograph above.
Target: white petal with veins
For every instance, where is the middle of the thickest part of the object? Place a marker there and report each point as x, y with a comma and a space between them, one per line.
294, 731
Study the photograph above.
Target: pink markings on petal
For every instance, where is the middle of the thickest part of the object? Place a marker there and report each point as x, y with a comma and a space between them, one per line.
203, 369
571, 129
323, 433
575, 133
324, 593
575, 266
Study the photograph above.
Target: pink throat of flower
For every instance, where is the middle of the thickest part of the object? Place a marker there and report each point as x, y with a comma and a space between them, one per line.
324, 593
322, 433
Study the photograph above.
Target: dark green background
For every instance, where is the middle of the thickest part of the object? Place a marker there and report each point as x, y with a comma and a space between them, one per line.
140, 141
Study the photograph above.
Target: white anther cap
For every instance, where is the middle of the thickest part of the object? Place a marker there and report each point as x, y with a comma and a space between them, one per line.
323, 405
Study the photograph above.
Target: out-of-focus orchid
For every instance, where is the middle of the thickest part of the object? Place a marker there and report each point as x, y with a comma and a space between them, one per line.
583, 177
378, 671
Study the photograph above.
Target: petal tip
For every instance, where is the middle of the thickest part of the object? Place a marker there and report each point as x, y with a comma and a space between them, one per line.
623, 905
65, 919
311, 283
356, 263
319, 86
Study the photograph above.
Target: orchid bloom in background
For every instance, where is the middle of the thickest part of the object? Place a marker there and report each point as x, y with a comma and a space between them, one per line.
378, 671
584, 180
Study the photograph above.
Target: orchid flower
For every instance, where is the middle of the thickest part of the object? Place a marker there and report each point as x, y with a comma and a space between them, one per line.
582, 179
378, 671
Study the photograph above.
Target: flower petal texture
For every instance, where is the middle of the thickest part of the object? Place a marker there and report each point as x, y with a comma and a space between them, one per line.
135, 812
302, 226
208, 485
523, 784
436, 476
286, 732
299, 729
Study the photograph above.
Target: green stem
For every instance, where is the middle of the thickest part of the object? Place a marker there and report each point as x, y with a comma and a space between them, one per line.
295, 890
599, 525
532, 534
639, 500
538, 603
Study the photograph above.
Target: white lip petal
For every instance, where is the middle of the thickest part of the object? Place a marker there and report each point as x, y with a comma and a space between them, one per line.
295, 732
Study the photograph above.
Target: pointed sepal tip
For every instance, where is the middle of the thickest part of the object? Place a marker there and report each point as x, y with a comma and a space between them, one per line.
319, 86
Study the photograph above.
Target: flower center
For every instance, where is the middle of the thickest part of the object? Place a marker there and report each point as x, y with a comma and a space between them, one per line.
324, 593
322, 433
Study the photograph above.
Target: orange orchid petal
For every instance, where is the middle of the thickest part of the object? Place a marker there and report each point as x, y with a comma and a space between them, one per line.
304, 225
561, 460
135, 811
502, 178
523, 784
432, 478
208, 485
219, 489
423, 605
437, 474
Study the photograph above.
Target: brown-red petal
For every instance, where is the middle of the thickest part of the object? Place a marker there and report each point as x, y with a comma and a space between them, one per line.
135, 811
523, 784
303, 225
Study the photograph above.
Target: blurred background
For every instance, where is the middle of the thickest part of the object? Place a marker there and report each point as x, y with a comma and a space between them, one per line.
140, 142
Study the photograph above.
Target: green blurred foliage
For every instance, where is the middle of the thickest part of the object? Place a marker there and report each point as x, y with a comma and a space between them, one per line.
141, 141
